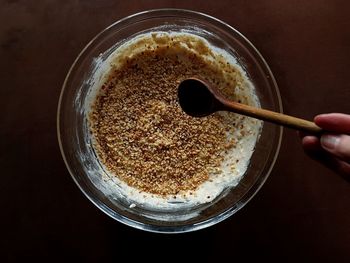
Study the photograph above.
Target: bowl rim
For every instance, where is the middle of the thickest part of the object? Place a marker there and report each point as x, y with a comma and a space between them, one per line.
171, 12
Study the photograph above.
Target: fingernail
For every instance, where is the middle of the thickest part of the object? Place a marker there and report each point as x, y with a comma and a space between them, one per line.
330, 141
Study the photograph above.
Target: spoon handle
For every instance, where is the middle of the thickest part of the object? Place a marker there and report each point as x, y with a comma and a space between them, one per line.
271, 116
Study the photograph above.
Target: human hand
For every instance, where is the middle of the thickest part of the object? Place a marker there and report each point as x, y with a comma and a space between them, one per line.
333, 147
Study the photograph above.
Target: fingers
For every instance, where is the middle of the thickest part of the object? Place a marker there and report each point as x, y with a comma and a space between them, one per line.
334, 122
337, 144
313, 148
333, 148
311, 144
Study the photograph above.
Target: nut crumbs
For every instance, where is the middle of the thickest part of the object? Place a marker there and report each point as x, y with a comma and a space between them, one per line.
141, 134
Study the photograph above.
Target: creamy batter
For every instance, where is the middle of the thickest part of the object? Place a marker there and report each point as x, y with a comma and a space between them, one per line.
146, 70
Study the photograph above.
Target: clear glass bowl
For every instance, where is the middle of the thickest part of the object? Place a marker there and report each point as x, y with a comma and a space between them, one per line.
80, 158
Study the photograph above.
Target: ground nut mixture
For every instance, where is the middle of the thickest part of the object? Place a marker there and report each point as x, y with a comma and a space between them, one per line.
142, 136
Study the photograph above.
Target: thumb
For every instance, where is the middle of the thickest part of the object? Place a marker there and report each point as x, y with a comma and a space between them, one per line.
337, 144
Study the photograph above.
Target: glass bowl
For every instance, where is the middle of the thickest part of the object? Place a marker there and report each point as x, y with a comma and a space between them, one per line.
75, 141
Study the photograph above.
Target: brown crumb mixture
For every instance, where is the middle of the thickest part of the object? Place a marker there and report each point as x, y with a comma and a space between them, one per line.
142, 135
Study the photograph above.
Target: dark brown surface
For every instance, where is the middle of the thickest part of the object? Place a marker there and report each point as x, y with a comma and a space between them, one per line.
302, 212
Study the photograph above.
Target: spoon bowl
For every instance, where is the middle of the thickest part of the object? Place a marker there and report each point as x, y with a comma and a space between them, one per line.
196, 98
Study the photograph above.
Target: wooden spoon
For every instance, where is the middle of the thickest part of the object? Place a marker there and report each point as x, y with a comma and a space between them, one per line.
198, 99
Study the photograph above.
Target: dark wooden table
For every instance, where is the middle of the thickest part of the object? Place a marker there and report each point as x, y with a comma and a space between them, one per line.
301, 214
